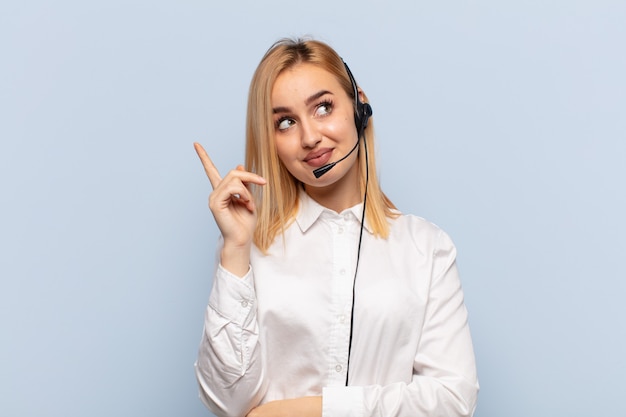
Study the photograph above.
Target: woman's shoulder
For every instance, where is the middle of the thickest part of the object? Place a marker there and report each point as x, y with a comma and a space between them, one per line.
403, 221
418, 230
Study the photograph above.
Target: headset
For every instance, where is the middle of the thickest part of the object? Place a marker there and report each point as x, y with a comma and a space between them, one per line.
362, 113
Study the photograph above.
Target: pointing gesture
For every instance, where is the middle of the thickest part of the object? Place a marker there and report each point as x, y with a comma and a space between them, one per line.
234, 210
209, 167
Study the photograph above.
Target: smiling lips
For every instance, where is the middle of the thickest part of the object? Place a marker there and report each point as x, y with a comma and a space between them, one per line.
318, 158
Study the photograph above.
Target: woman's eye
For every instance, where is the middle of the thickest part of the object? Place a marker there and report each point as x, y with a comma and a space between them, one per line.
323, 109
284, 124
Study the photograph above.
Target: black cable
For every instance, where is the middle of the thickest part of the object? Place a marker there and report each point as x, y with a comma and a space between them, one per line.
358, 256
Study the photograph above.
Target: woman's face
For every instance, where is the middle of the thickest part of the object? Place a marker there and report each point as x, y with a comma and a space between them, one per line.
314, 126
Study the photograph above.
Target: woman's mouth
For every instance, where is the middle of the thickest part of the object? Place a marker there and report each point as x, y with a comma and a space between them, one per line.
318, 158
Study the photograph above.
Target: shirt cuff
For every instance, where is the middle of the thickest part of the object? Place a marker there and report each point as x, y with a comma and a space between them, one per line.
233, 297
342, 402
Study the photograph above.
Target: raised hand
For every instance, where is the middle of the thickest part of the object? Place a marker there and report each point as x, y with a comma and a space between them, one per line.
234, 210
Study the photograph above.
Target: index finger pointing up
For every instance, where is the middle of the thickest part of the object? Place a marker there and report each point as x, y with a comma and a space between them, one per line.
209, 167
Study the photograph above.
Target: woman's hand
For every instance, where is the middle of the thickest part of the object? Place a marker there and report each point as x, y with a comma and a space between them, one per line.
234, 210
297, 407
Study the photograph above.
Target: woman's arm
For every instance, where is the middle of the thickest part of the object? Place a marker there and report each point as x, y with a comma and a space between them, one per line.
229, 368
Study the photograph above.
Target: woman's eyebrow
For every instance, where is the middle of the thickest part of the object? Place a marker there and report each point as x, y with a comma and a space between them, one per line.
316, 96
277, 110
308, 101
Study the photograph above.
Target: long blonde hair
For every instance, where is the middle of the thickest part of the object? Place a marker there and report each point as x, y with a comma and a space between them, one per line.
277, 201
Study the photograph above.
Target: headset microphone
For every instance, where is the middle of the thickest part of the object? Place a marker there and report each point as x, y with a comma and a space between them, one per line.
362, 113
324, 169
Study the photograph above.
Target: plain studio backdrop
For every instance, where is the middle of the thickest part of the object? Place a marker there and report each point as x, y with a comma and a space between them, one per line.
504, 122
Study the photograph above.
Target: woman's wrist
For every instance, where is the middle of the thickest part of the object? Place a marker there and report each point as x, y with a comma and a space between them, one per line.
236, 259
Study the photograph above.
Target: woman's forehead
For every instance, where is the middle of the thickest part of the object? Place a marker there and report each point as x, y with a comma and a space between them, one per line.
303, 80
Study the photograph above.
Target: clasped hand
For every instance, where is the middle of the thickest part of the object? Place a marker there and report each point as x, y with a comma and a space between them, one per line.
296, 407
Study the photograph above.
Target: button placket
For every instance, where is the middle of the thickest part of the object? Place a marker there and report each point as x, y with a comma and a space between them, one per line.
343, 246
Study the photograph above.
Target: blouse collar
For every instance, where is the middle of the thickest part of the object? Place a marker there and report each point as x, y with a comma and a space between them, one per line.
310, 211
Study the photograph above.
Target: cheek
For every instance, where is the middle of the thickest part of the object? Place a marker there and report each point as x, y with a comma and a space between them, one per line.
286, 150
340, 127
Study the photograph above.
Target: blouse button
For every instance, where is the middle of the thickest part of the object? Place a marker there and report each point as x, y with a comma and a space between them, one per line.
340, 230
244, 303
338, 368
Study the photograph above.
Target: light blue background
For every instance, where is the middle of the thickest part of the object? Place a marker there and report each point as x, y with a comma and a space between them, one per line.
503, 122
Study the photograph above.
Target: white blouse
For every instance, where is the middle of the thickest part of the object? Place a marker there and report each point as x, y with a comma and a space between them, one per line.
282, 331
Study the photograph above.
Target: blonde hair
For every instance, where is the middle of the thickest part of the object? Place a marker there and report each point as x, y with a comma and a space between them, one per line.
277, 201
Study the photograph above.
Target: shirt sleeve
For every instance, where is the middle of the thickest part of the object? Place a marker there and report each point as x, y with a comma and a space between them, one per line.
444, 381
229, 367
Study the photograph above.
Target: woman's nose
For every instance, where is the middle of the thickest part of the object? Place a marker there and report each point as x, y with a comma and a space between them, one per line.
310, 136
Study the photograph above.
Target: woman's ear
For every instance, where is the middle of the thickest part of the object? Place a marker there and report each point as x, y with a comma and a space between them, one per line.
362, 97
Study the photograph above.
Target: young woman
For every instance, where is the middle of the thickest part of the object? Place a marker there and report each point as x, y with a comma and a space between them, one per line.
326, 300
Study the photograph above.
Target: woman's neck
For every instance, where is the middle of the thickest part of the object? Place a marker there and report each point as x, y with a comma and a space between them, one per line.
340, 195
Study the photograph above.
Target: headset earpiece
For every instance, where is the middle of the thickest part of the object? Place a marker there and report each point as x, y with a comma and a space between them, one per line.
362, 116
